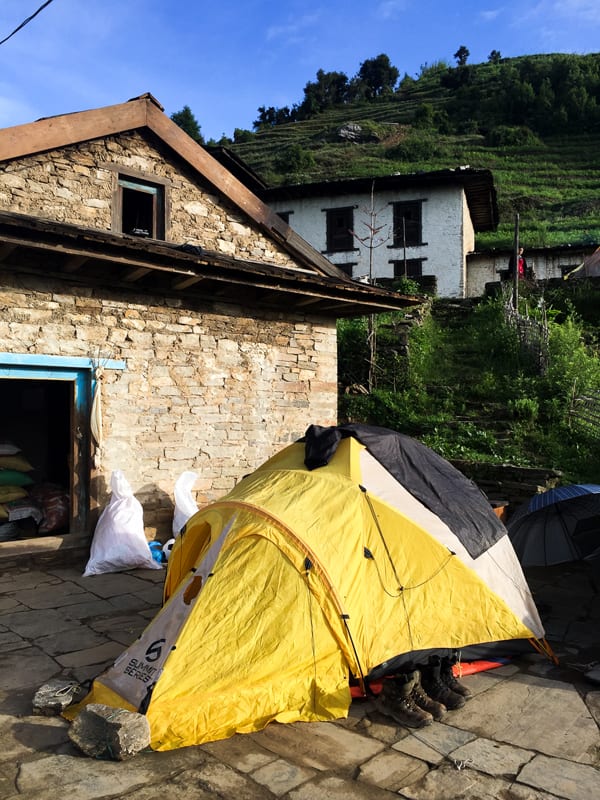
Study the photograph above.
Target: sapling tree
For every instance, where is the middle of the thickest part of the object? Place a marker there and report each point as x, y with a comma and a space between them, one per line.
372, 236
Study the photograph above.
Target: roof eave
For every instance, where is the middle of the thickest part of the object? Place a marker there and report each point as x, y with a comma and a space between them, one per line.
149, 267
146, 112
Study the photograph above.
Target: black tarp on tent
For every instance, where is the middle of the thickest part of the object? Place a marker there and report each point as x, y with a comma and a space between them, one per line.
432, 480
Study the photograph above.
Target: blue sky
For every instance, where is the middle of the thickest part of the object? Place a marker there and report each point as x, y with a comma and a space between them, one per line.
226, 59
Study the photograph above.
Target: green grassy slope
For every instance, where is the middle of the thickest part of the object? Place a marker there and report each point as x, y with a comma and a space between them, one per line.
552, 182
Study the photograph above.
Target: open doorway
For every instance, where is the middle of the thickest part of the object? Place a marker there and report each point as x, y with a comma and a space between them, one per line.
44, 472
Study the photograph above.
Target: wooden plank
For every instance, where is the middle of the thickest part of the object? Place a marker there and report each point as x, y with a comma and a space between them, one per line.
67, 129
187, 282
135, 274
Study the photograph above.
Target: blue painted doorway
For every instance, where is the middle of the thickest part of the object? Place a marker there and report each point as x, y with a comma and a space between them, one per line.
44, 411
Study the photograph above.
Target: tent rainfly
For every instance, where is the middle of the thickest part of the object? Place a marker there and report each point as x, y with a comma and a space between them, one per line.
348, 553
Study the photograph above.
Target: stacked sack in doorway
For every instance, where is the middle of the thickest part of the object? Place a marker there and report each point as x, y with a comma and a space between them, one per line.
28, 508
15, 482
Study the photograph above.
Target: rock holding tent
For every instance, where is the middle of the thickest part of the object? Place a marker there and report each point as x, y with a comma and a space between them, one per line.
348, 553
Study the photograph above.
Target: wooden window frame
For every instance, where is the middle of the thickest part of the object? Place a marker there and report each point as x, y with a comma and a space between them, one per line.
148, 185
412, 236
347, 269
339, 236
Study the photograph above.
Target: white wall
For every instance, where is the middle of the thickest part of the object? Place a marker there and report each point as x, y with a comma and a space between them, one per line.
447, 232
485, 266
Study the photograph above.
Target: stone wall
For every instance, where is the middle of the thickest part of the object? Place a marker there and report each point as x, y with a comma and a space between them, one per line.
507, 483
75, 185
212, 389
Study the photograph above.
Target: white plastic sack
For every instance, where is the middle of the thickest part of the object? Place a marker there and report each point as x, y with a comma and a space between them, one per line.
119, 541
185, 504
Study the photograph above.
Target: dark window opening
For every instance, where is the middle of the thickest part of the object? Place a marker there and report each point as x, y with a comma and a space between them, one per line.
340, 222
408, 230
285, 216
142, 208
412, 268
346, 269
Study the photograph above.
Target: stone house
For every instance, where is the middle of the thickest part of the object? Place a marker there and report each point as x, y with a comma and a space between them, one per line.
419, 225
157, 317
548, 263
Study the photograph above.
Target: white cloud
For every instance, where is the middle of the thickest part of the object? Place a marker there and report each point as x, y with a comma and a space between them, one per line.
557, 12
490, 15
390, 8
583, 10
294, 28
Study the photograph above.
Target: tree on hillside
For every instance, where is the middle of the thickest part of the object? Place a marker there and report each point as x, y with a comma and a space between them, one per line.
270, 116
461, 55
188, 123
376, 76
495, 57
330, 89
241, 135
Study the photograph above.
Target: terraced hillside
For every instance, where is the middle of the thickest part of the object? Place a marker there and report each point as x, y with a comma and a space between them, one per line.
552, 181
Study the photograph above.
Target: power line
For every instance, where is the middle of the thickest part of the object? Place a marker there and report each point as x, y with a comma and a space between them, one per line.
22, 25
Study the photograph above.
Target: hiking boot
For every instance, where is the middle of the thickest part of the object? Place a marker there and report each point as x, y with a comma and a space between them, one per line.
449, 678
422, 699
395, 701
434, 686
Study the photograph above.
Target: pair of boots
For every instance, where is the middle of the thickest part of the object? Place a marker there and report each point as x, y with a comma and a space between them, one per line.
441, 684
403, 698
416, 698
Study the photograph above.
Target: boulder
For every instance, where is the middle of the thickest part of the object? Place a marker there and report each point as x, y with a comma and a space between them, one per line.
102, 731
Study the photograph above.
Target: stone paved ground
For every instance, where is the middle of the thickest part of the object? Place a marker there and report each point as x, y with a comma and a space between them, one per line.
531, 730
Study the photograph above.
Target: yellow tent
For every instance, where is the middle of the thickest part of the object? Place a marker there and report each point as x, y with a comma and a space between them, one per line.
300, 577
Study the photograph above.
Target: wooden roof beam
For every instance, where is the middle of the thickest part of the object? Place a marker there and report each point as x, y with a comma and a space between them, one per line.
135, 274
185, 283
6, 249
73, 263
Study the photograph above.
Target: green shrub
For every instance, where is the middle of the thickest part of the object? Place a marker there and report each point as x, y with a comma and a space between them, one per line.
293, 159
417, 146
467, 391
511, 136
525, 408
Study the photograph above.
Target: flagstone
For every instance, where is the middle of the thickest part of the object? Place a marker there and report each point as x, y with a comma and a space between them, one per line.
562, 778
528, 708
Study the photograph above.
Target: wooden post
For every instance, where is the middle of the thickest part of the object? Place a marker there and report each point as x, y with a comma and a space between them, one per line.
516, 264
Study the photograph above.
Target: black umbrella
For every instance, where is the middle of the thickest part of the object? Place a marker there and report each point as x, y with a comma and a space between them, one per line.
561, 524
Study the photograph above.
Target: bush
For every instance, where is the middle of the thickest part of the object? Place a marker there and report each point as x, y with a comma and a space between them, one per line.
456, 403
294, 159
510, 136
417, 146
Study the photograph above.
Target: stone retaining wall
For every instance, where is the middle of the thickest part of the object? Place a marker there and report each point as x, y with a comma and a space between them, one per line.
515, 485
